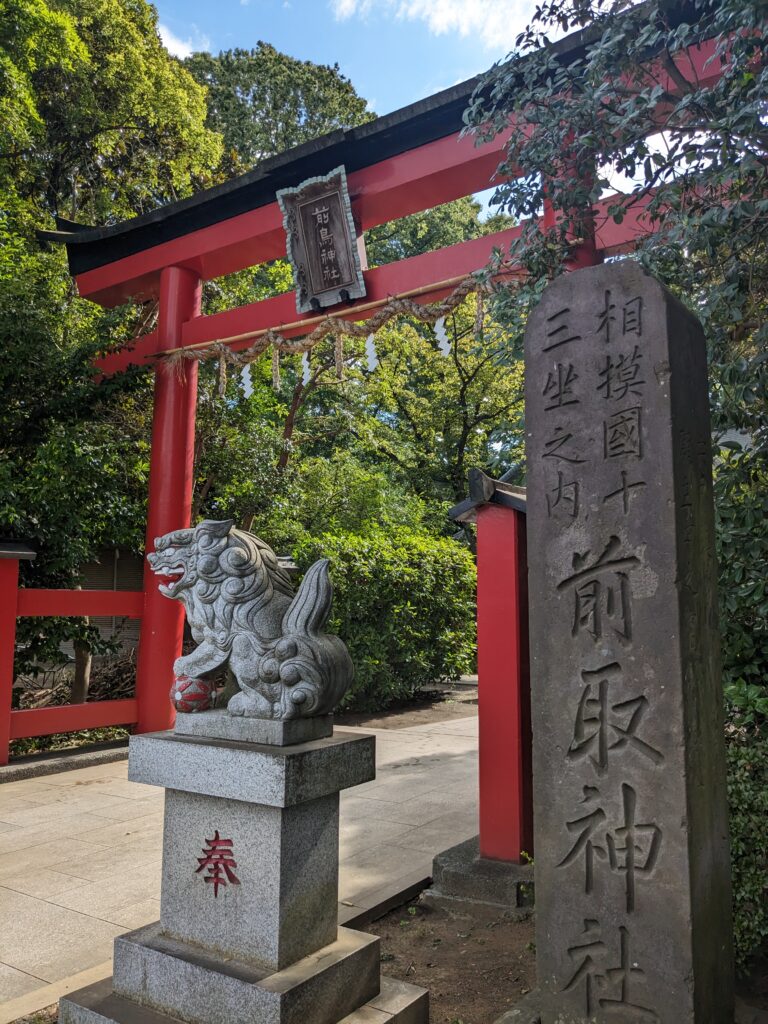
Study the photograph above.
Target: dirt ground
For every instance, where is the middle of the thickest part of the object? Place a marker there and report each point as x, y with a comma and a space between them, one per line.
475, 969
428, 707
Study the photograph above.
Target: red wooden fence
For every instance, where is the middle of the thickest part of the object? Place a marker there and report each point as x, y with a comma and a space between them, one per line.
16, 602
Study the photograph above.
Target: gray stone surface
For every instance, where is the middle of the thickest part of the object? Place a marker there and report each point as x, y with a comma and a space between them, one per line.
275, 776
98, 1004
37, 765
632, 862
276, 732
243, 613
461, 874
279, 902
181, 980
396, 1003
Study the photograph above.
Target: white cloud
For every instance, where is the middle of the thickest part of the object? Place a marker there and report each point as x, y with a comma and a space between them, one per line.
347, 8
496, 23
194, 43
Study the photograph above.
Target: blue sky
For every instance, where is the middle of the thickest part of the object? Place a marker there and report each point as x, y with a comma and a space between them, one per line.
394, 51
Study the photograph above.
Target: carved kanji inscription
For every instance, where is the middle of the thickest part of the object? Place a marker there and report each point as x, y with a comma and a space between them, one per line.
607, 722
218, 862
601, 591
607, 990
632, 874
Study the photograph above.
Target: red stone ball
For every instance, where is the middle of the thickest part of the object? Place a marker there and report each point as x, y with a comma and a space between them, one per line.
191, 694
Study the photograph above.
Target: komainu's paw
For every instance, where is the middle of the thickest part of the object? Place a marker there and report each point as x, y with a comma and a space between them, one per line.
250, 705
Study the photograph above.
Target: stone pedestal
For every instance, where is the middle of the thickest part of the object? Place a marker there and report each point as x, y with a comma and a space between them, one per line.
248, 913
463, 881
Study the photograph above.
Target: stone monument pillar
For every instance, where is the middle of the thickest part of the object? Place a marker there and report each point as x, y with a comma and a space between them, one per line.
248, 929
633, 897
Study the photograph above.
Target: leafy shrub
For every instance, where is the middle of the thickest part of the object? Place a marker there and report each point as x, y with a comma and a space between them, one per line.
748, 798
342, 495
741, 490
404, 602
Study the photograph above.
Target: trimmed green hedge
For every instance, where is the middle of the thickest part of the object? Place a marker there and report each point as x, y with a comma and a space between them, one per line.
404, 603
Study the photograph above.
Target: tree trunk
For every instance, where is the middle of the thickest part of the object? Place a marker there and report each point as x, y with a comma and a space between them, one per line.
82, 680
290, 422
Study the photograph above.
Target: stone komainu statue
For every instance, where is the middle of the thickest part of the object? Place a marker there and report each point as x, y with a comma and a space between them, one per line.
243, 613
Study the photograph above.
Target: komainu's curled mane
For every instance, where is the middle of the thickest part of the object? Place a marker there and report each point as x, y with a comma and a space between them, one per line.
242, 611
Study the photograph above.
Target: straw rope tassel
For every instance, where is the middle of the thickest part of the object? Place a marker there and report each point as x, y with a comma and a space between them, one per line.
332, 326
222, 375
338, 353
479, 314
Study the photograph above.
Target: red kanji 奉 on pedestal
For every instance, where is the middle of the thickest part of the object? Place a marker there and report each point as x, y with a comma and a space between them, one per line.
219, 860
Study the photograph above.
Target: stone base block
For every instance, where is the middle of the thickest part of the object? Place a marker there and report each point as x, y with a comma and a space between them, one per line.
219, 724
183, 980
396, 1003
461, 876
252, 772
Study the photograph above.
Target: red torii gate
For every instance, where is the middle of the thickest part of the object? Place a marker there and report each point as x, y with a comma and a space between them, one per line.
403, 163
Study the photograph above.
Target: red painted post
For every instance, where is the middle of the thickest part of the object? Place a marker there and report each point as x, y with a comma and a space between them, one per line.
506, 802
9, 583
170, 497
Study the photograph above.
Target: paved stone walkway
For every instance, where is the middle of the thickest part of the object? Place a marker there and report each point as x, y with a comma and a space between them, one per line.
80, 851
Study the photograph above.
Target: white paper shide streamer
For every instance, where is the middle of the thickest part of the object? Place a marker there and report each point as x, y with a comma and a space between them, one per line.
245, 377
370, 353
443, 341
306, 373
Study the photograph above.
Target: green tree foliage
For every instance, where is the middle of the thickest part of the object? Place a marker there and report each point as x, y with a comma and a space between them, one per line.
341, 495
100, 122
405, 603
437, 414
418, 233
424, 416
33, 37
264, 102
73, 454
107, 123
237, 448
71, 478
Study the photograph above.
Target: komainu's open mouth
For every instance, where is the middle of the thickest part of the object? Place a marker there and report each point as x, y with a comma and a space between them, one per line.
173, 578
170, 569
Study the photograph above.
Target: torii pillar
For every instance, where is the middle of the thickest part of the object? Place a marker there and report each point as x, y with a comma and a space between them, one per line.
170, 496
494, 868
